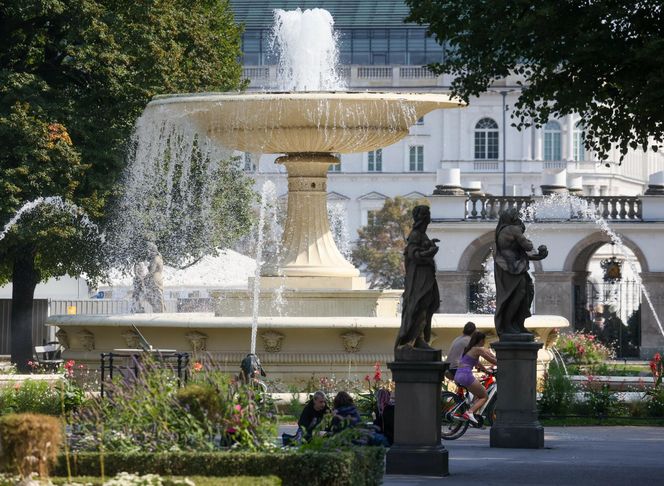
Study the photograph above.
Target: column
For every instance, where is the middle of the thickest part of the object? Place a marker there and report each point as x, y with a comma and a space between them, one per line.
554, 294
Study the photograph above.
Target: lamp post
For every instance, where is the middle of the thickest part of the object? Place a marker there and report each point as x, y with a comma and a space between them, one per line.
503, 93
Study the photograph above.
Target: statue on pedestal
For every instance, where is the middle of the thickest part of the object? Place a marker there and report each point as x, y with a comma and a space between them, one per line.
421, 298
154, 280
514, 287
138, 288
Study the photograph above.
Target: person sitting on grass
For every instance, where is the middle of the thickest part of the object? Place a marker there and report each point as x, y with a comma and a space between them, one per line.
345, 413
313, 414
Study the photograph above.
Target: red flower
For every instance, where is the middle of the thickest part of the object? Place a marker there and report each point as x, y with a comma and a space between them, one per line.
198, 366
367, 378
377, 373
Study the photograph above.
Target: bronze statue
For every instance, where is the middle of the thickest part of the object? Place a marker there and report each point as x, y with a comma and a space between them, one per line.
420, 297
514, 287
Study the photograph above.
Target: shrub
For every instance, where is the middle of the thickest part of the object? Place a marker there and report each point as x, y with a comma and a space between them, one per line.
30, 396
362, 466
151, 414
582, 348
600, 400
558, 394
30, 443
656, 392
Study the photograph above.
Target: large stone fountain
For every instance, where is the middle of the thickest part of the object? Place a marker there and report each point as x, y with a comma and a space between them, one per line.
332, 323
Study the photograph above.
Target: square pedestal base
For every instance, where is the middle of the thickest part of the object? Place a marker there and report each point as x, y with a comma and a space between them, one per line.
417, 460
517, 436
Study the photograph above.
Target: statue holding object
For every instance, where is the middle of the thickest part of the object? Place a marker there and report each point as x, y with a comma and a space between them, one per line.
421, 298
514, 287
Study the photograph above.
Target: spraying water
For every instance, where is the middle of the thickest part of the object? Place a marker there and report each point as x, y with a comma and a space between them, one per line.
306, 45
268, 195
337, 216
565, 207
54, 201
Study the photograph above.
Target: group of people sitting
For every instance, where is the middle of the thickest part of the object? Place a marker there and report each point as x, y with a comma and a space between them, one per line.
342, 416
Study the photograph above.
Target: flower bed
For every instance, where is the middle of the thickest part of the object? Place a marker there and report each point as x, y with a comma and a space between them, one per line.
357, 467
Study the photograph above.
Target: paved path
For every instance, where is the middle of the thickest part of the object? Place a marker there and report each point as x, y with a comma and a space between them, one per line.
572, 456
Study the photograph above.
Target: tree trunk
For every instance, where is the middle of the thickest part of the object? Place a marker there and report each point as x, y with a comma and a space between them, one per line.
24, 280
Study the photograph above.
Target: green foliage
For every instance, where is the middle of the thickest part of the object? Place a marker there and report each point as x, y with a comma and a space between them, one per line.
356, 467
600, 400
582, 348
598, 59
150, 413
380, 244
35, 396
558, 393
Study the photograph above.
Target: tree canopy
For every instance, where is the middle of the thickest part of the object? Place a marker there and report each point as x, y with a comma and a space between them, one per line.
380, 244
600, 59
74, 77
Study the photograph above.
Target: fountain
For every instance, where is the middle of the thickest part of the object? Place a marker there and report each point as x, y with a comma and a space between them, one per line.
332, 323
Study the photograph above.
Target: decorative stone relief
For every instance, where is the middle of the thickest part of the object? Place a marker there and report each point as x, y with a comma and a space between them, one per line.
86, 339
62, 338
272, 341
197, 340
131, 338
351, 341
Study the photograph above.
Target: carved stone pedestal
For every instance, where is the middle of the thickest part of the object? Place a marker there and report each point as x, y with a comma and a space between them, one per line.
516, 409
417, 448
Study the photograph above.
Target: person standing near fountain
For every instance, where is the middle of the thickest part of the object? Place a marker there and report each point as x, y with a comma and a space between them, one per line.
421, 298
154, 280
514, 287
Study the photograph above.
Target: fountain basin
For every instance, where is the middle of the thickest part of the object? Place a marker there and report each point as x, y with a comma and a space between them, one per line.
319, 122
290, 348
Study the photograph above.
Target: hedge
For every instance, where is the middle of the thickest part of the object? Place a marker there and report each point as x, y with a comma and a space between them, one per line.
197, 480
361, 466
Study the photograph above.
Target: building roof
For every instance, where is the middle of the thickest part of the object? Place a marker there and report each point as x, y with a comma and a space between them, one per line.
258, 14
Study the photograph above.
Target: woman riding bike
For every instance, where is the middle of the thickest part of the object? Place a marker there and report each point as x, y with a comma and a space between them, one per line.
464, 376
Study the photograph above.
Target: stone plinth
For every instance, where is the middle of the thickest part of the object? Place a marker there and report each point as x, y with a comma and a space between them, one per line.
516, 409
417, 448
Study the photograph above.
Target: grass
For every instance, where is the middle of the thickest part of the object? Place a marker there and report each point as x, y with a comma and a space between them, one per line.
198, 480
609, 369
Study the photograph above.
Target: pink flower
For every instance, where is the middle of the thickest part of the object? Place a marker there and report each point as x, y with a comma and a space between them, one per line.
238, 408
198, 366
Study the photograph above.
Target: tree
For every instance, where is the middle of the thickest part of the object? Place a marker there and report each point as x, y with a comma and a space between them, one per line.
74, 76
600, 59
380, 246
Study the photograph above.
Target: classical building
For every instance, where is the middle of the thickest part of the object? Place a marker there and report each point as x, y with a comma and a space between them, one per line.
378, 51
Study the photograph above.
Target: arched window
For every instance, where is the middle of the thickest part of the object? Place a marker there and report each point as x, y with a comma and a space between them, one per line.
486, 139
577, 142
552, 141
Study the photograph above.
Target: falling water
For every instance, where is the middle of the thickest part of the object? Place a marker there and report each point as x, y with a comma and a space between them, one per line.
306, 44
336, 213
268, 195
565, 207
54, 201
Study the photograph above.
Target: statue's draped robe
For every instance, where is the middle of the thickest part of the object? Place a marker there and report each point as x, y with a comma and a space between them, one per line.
514, 287
421, 298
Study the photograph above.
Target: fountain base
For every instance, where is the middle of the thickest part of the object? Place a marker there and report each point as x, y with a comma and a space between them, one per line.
326, 283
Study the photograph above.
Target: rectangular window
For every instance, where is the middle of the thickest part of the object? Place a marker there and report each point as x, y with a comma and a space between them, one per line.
371, 217
334, 167
375, 160
552, 146
579, 149
416, 158
492, 145
248, 163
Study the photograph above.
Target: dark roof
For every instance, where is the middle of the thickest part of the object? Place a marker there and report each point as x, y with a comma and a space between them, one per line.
258, 14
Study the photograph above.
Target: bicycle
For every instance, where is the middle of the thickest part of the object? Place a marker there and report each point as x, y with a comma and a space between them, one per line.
456, 403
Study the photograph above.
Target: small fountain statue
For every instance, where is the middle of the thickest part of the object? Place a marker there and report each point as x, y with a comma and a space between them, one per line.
138, 288
514, 287
421, 298
154, 280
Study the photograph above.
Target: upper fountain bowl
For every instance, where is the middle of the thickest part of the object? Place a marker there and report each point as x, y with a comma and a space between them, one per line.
323, 122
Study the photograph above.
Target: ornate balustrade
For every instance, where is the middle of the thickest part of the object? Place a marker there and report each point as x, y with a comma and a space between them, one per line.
613, 208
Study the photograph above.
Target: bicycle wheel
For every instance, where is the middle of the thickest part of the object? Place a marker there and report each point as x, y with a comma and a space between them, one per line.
452, 428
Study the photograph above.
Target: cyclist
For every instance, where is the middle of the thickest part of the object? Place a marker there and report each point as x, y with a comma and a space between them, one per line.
464, 376
457, 347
